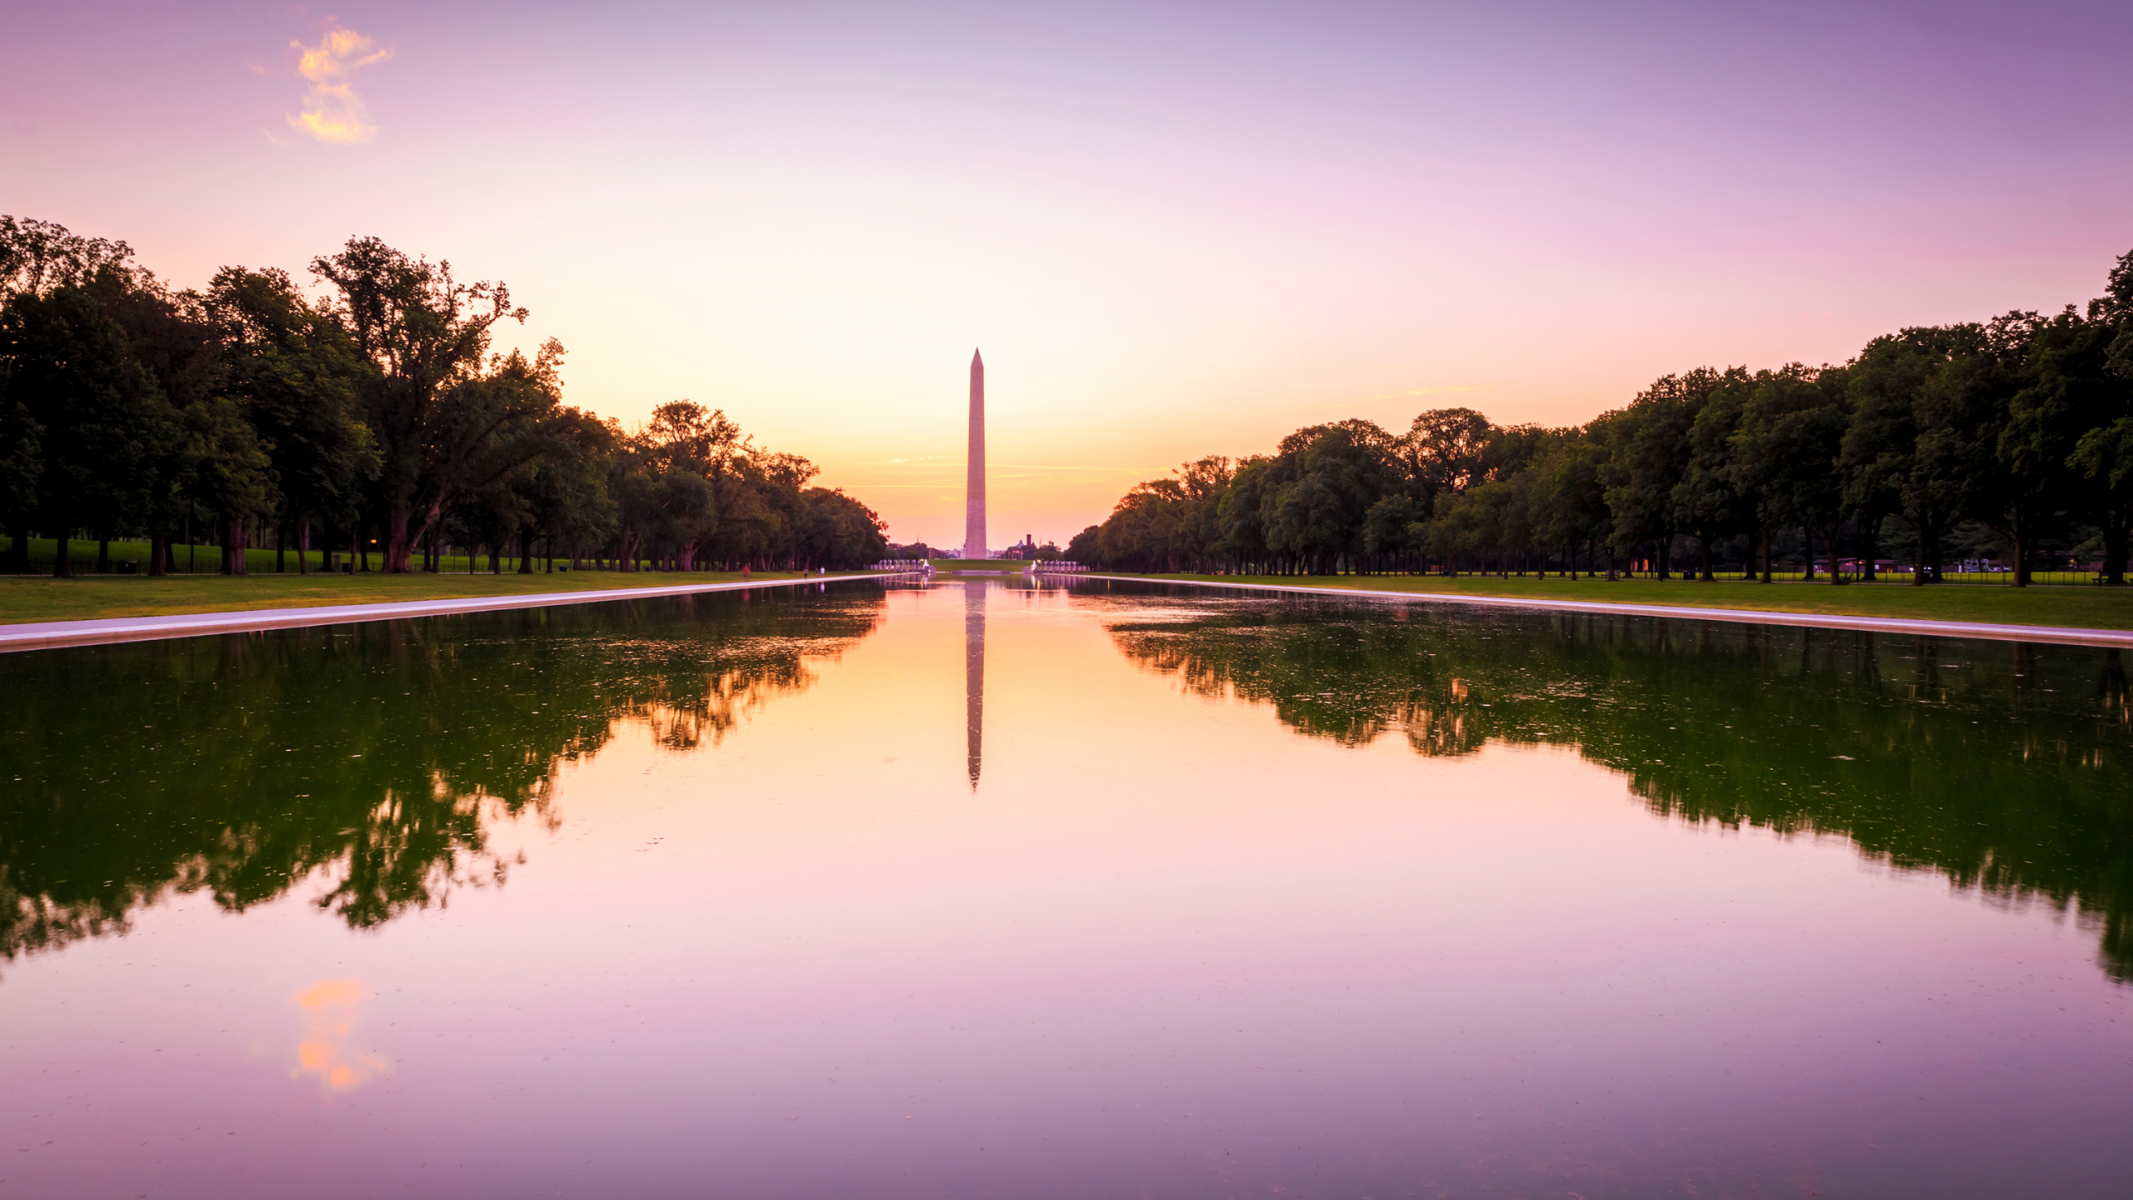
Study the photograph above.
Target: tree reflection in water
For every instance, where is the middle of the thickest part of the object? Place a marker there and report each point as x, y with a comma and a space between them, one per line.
2002, 766
377, 754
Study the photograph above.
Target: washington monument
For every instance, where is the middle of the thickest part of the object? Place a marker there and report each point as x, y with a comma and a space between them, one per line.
974, 504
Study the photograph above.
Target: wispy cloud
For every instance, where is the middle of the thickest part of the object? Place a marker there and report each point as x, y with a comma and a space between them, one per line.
332, 110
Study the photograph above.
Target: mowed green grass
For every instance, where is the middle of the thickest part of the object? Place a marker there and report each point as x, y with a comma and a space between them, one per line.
202, 559
2079, 607
25, 598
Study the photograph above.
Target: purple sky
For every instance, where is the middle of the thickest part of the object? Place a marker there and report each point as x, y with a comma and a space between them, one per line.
1175, 230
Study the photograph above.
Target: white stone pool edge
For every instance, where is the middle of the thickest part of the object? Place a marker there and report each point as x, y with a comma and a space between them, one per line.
46, 635
1748, 616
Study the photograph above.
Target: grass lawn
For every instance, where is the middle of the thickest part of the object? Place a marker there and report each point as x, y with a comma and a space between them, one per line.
2079, 607
42, 598
199, 559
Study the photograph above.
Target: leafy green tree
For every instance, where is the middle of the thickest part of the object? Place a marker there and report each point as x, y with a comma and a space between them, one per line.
97, 412
563, 493
689, 454
2020, 492
1459, 526
36, 259
1141, 532
1444, 451
1648, 457
661, 508
425, 336
1707, 503
1396, 528
837, 531
2115, 308
296, 376
1198, 527
1328, 477
1083, 547
1919, 430
1240, 513
221, 462
1570, 503
2104, 454
1786, 448
2069, 393
39, 257
1881, 455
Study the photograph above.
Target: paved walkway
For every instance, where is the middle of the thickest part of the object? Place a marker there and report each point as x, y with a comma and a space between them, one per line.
42, 635
1750, 616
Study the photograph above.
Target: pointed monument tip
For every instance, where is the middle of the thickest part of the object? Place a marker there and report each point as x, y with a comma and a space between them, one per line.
976, 359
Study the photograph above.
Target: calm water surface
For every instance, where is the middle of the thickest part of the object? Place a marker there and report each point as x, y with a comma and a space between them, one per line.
985, 890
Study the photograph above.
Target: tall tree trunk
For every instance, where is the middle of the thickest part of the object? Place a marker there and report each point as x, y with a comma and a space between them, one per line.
525, 553
59, 560
236, 536
1808, 532
397, 546
1868, 536
2022, 547
2114, 547
1763, 548
1829, 537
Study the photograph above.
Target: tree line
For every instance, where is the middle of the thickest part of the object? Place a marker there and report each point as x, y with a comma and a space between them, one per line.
375, 415
2020, 427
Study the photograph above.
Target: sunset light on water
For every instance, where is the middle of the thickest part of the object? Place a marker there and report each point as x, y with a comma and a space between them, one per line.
711, 898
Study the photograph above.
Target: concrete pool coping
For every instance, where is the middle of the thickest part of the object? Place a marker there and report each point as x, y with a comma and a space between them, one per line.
46, 635
43, 635
2061, 634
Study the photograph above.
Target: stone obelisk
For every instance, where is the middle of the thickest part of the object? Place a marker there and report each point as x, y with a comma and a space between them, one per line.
974, 502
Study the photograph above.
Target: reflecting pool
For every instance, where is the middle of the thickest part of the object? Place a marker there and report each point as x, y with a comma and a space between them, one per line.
994, 889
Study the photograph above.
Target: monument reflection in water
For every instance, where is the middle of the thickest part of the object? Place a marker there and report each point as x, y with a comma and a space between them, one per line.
1258, 896
974, 595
